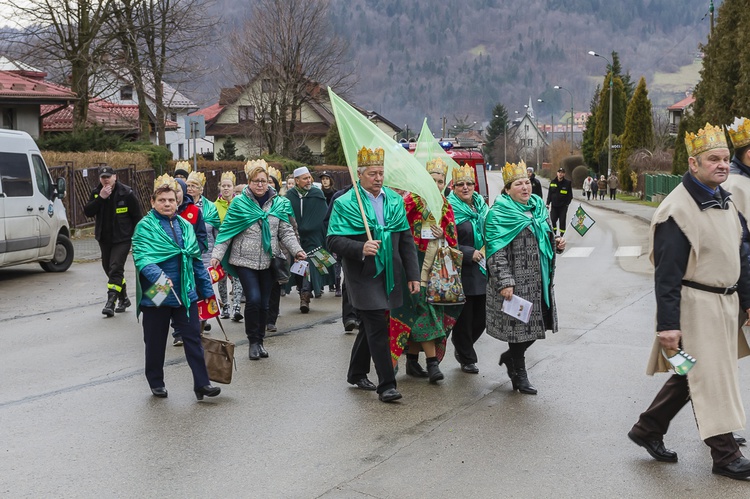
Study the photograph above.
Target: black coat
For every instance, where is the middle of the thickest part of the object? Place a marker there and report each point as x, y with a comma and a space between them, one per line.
536, 186
472, 278
560, 192
116, 216
366, 291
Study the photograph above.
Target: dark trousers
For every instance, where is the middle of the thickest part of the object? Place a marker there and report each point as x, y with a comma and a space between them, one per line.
558, 213
256, 285
303, 283
372, 342
612, 193
654, 423
273, 303
469, 327
348, 312
113, 263
155, 332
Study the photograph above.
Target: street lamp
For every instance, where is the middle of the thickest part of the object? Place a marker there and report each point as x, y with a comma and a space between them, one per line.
558, 87
611, 79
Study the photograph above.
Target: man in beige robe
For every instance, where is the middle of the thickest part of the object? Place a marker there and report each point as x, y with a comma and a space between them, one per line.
702, 278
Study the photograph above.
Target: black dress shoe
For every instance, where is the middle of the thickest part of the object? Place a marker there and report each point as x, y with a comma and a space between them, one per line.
350, 325
365, 384
254, 351
739, 469
208, 391
160, 392
656, 449
413, 368
262, 351
389, 395
470, 368
739, 439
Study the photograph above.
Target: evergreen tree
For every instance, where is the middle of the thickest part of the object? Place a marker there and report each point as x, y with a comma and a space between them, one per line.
627, 81
333, 151
639, 131
495, 129
588, 148
688, 123
228, 151
619, 104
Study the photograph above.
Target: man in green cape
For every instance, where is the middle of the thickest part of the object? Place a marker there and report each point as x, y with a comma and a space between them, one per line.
373, 267
310, 207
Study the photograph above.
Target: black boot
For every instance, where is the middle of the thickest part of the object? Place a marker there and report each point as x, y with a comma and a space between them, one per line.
521, 379
109, 307
413, 368
433, 370
506, 359
123, 301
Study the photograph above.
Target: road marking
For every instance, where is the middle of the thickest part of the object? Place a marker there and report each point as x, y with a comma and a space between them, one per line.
581, 252
628, 251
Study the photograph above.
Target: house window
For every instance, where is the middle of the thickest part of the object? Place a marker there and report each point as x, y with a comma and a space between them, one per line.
181, 151
246, 113
126, 92
526, 128
173, 116
7, 119
531, 143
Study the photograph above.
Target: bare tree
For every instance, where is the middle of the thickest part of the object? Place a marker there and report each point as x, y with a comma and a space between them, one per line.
69, 31
662, 138
161, 38
285, 53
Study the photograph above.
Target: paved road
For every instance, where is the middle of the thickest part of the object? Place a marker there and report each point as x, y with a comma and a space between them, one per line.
79, 421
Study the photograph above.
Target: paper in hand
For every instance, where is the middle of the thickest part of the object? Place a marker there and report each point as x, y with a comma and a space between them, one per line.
518, 307
299, 268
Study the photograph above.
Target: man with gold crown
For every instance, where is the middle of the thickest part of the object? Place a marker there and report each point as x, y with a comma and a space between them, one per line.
372, 267
702, 278
168, 266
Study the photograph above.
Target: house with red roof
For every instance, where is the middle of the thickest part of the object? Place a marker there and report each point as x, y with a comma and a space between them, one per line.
23, 93
676, 111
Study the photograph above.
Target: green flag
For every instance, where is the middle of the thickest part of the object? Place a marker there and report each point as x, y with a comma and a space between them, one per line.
429, 148
581, 221
402, 170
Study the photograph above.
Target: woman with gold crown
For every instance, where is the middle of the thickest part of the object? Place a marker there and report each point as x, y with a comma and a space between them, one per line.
521, 249
417, 325
226, 194
168, 266
471, 211
255, 226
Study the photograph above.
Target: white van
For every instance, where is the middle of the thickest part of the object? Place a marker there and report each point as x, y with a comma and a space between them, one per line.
33, 223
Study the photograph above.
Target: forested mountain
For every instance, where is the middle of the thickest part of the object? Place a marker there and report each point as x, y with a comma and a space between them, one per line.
429, 58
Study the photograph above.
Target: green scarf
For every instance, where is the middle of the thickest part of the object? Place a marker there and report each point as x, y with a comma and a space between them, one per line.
210, 213
464, 212
346, 220
244, 212
507, 218
151, 244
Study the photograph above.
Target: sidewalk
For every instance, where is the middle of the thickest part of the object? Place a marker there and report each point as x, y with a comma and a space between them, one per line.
641, 212
85, 248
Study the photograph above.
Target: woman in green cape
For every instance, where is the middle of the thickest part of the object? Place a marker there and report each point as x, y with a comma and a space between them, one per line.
520, 261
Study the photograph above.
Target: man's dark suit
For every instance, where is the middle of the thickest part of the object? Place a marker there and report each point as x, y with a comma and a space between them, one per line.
368, 295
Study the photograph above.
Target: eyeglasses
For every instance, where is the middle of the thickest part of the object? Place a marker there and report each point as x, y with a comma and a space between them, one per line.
467, 184
260, 181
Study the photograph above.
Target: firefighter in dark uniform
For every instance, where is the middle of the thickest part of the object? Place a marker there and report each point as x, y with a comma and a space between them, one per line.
559, 196
116, 209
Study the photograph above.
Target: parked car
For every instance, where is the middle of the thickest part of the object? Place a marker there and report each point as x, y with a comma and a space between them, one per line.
33, 223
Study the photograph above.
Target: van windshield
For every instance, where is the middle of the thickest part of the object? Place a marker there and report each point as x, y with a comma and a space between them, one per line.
15, 175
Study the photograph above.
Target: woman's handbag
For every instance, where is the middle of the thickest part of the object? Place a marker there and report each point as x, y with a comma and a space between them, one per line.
219, 356
444, 285
280, 270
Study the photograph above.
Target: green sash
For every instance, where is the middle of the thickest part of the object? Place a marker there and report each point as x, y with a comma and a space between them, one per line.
507, 218
151, 244
210, 213
463, 212
244, 212
346, 220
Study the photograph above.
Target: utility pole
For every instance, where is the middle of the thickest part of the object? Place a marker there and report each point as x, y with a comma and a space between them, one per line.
711, 12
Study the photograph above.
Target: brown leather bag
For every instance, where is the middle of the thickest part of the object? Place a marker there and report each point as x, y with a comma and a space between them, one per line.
219, 356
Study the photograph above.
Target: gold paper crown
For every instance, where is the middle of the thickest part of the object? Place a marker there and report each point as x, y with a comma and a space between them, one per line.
228, 176
368, 157
197, 178
437, 165
709, 137
167, 180
273, 172
183, 165
252, 164
463, 174
739, 132
512, 172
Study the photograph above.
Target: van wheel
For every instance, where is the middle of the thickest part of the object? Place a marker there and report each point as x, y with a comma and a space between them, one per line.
63, 257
